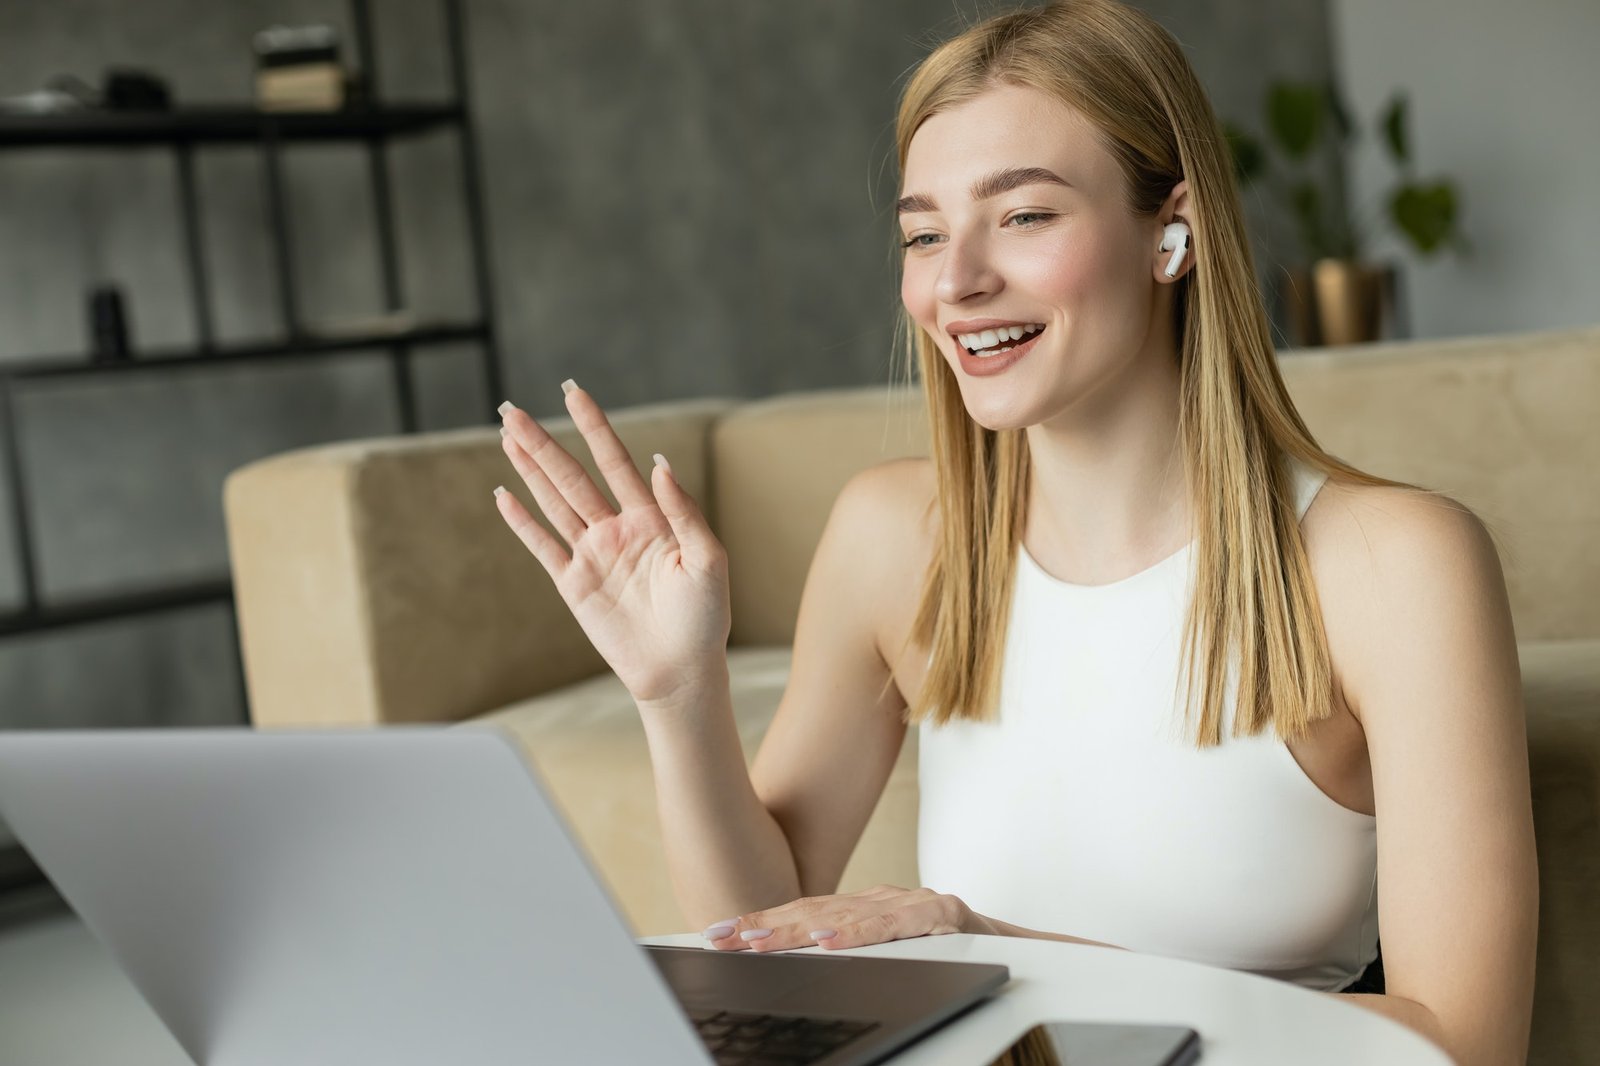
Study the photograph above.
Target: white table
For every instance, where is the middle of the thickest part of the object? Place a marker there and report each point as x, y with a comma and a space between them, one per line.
1242, 1019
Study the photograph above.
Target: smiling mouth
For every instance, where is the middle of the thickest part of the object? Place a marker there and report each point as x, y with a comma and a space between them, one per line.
1000, 347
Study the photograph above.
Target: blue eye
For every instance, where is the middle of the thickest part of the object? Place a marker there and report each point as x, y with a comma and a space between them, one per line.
914, 242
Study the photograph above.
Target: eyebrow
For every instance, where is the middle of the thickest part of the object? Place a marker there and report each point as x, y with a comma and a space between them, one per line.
985, 187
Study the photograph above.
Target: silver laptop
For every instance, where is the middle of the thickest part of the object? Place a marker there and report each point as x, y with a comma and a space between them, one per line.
409, 895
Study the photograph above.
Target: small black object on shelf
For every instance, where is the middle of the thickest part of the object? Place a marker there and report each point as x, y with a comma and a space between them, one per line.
108, 325
135, 90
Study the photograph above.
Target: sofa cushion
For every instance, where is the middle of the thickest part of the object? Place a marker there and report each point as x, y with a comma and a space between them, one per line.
589, 747
1561, 690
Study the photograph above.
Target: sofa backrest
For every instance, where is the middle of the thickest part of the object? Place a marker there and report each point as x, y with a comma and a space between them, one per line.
776, 467
375, 581
1509, 426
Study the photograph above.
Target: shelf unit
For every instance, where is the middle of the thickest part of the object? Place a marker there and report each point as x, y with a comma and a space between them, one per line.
220, 124
183, 131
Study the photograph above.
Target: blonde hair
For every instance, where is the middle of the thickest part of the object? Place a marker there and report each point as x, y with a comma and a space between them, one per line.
1253, 589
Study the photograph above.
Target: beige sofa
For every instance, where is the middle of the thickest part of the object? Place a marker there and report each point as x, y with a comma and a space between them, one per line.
376, 583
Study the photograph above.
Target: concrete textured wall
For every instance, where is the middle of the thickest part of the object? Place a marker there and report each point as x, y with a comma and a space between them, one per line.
685, 197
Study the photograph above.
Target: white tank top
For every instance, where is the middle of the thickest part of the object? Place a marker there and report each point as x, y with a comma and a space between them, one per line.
1083, 810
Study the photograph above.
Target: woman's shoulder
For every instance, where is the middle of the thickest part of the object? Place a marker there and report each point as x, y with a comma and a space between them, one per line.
896, 512
895, 504
1364, 543
902, 492
1345, 515
1353, 530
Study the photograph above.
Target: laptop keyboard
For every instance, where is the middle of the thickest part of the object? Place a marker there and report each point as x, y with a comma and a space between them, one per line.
773, 1040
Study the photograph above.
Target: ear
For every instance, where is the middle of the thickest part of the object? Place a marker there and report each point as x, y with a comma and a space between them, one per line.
1174, 209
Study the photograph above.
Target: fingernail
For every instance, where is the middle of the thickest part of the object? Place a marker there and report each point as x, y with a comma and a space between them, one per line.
498, 489
755, 934
506, 408
823, 934
568, 385
504, 432
661, 461
717, 932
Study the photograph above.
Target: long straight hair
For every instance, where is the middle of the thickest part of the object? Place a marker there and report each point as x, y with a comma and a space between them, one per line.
1253, 593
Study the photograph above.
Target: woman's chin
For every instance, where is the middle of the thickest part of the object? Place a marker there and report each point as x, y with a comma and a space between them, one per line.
996, 418
1004, 400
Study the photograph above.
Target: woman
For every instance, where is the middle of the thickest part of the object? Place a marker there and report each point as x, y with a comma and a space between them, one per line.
1186, 684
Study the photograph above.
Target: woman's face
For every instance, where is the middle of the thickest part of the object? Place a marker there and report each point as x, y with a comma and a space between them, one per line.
1027, 251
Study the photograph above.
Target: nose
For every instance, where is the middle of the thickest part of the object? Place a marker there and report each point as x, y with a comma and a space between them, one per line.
965, 271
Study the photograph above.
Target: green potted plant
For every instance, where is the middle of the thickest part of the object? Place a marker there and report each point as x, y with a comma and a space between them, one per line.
1338, 296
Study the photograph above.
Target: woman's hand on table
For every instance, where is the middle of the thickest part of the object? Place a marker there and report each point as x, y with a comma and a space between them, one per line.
874, 916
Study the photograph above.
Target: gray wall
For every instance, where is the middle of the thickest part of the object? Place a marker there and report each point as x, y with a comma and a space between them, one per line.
685, 197
1507, 111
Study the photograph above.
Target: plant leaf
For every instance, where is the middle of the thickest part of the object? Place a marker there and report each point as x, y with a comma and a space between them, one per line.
1394, 129
1425, 213
1249, 159
1294, 116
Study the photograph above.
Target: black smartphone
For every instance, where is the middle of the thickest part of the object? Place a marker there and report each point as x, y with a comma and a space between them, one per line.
1102, 1044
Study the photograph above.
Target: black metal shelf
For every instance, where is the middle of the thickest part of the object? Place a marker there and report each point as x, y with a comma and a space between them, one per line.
270, 351
221, 124
183, 131
124, 605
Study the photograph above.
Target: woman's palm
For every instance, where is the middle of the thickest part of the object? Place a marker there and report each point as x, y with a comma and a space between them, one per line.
629, 589
647, 583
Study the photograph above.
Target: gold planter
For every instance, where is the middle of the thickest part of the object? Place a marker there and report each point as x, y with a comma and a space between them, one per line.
1340, 301
1350, 299
1301, 304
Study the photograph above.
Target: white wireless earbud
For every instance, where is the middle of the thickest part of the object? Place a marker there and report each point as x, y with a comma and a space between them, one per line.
1176, 235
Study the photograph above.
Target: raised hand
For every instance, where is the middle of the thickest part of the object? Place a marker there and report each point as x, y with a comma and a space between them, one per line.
649, 583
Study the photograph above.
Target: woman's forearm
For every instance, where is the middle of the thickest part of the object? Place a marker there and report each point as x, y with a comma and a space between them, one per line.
1408, 1012
725, 852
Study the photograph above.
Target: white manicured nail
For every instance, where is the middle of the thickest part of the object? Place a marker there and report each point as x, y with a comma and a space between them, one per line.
498, 489
755, 934
506, 408
568, 385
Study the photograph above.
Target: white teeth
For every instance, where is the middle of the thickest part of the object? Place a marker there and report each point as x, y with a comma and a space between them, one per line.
989, 337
